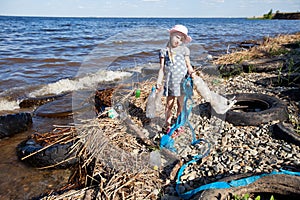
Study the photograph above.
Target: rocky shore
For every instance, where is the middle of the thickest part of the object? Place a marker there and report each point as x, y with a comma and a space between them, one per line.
234, 151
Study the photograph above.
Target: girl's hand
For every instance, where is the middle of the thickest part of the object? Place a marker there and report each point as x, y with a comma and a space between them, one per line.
158, 86
192, 74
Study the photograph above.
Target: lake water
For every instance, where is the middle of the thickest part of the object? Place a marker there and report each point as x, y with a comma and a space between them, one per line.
42, 56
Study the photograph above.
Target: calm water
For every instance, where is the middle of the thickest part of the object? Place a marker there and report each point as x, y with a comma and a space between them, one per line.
44, 56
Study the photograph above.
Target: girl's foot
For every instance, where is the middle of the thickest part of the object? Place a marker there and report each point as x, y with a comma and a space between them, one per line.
166, 129
179, 131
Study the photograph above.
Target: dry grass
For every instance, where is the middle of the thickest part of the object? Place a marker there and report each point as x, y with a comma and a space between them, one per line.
116, 149
269, 47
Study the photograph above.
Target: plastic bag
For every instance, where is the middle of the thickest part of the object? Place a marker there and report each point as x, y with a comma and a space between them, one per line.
219, 103
153, 103
151, 108
158, 104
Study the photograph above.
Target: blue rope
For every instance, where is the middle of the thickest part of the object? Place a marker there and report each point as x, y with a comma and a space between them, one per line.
167, 141
234, 183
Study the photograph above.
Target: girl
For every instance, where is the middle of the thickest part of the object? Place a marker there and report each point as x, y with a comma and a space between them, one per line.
174, 65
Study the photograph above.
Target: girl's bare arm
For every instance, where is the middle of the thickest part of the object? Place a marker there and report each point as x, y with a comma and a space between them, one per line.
189, 66
160, 73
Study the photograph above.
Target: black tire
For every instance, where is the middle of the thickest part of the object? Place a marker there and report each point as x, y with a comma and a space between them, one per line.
291, 80
285, 131
263, 65
57, 156
284, 186
14, 123
267, 109
292, 94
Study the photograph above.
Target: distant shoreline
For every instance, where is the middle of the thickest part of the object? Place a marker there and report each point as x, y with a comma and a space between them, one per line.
281, 15
295, 15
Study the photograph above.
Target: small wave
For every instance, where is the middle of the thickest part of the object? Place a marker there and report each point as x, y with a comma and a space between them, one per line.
30, 60
73, 64
63, 39
6, 105
53, 30
86, 82
20, 60
53, 60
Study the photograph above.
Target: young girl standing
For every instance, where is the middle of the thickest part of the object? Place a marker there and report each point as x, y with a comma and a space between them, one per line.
174, 66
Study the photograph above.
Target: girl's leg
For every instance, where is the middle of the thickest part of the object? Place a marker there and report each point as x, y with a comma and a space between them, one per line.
169, 106
180, 100
179, 105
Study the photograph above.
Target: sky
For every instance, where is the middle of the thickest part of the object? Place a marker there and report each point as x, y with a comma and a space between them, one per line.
146, 8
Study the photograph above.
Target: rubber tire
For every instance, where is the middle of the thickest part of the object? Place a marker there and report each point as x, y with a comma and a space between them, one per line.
286, 132
291, 80
277, 110
276, 184
14, 123
291, 94
48, 157
263, 65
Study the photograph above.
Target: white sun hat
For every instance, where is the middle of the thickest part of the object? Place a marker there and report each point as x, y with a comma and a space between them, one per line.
181, 29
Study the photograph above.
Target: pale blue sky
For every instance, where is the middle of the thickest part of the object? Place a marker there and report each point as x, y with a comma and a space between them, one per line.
146, 8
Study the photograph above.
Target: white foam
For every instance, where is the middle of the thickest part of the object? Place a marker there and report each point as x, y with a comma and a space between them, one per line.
86, 82
6, 105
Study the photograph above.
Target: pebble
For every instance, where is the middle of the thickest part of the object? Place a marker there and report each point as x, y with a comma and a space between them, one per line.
236, 150
156, 191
